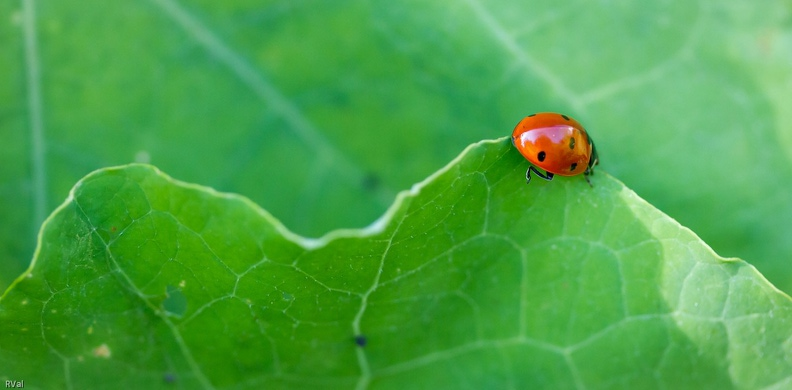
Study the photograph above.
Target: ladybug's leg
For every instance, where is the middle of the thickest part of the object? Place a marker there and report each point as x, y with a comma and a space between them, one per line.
548, 176
586, 174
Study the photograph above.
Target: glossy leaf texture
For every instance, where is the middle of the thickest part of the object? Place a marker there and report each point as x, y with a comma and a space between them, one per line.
471, 279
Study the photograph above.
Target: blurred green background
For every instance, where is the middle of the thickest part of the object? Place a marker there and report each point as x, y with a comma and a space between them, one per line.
321, 111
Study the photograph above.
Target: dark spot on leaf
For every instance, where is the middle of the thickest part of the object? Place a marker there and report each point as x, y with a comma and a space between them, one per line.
370, 181
169, 377
541, 156
360, 340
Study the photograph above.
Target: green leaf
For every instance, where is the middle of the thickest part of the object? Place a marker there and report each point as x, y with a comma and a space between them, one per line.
346, 102
471, 279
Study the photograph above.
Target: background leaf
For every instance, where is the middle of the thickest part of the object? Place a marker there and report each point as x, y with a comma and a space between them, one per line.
147, 282
345, 103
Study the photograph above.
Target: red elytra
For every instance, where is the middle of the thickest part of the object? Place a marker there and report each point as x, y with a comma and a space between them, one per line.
556, 143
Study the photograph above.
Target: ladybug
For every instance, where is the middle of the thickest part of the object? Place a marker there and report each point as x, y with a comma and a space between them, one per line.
556, 143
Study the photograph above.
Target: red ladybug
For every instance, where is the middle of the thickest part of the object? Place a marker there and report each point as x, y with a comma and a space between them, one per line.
556, 143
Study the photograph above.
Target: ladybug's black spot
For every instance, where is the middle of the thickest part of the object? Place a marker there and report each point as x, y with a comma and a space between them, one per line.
565, 117
571, 142
572, 168
531, 115
541, 156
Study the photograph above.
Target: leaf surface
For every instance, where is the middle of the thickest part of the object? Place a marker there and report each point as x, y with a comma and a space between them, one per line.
471, 279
